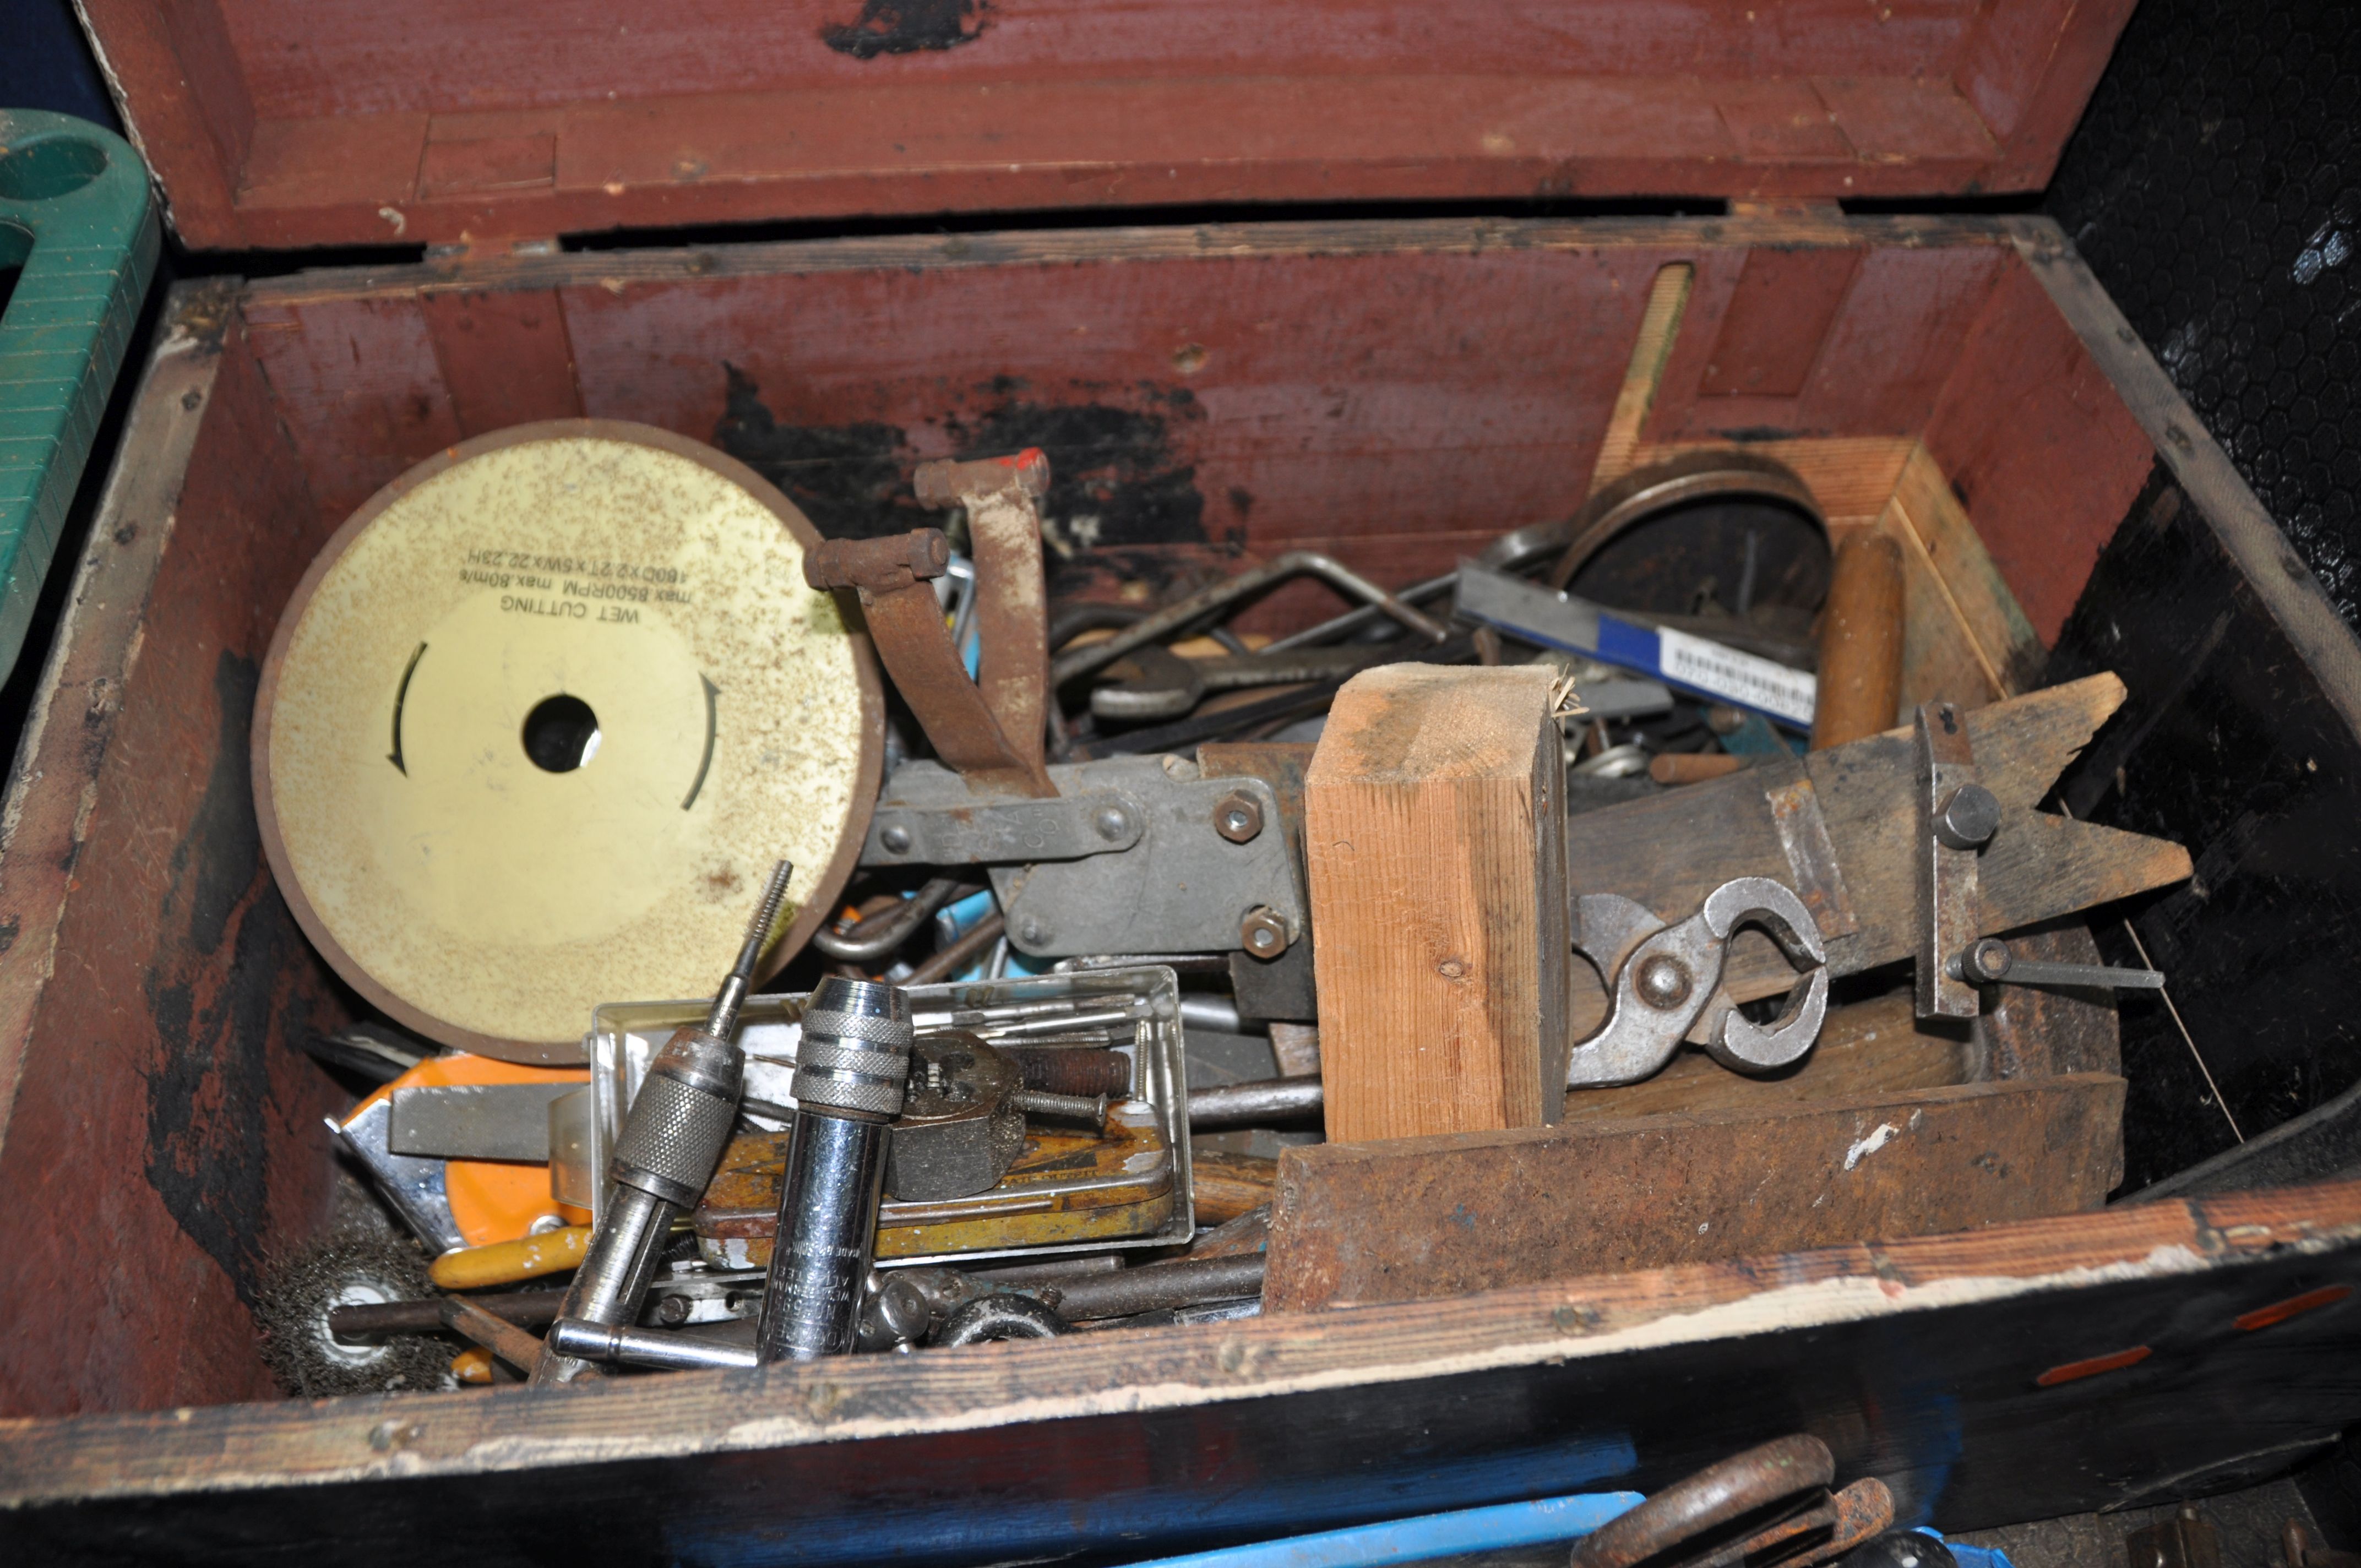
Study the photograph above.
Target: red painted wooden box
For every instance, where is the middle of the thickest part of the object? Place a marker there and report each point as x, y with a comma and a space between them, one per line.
1392, 383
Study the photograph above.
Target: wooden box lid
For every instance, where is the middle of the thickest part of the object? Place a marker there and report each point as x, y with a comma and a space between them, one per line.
293, 123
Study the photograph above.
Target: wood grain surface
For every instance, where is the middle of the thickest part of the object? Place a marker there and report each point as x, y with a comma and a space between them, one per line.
1435, 837
275, 124
1917, 1359
1412, 1219
1860, 675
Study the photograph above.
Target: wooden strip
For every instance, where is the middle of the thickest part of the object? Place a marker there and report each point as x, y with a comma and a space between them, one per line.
72, 725
1429, 1217
1957, 598
1779, 315
505, 357
281, 1447
1659, 327
616, 271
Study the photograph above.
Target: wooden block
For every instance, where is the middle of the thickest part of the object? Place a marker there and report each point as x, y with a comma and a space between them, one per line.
1435, 837
1426, 1218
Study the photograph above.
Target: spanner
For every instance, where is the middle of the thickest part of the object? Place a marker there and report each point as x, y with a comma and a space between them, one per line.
1667, 982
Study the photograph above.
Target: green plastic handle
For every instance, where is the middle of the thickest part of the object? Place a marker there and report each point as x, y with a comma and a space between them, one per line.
75, 214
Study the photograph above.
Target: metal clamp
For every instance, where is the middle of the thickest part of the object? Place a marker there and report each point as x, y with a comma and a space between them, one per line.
1957, 817
1667, 982
1136, 854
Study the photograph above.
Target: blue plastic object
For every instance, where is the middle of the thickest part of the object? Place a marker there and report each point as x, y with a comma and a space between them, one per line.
1426, 1536
75, 214
1968, 1556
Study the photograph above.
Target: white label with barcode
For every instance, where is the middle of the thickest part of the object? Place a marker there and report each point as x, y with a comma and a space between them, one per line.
1741, 678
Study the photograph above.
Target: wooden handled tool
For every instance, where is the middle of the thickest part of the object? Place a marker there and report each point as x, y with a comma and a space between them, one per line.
1860, 643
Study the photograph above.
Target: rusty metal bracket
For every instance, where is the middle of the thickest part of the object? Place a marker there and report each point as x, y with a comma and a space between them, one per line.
1957, 817
906, 623
1003, 526
1137, 855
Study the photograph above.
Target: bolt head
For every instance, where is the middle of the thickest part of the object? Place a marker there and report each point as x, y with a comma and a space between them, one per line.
1987, 959
896, 839
1111, 823
671, 1311
1663, 981
1238, 817
902, 1310
1968, 818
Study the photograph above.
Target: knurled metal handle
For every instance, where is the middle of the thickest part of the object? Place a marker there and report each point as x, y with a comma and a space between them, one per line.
673, 1139
872, 1095
823, 1056
859, 1026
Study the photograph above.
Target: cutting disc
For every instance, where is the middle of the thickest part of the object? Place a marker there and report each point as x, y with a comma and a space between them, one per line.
540, 719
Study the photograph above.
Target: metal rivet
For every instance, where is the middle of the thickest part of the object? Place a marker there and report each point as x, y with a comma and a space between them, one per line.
896, 839
1111, 823
1663, 981
1033, 930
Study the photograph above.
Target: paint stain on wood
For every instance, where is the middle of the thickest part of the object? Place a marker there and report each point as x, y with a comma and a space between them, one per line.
209, 1091
1114, 477
907, 26
851, 481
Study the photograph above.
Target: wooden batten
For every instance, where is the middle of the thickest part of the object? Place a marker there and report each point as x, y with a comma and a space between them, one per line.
1437, 1217
1435, 837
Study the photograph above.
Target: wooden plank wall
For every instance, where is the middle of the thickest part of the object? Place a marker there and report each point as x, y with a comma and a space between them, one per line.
1246, 391
163, 1136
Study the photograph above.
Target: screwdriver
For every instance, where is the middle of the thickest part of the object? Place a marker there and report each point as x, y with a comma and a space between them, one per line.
673, 1139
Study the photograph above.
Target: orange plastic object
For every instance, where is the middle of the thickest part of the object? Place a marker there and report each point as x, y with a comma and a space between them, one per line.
472, 1365
505, 1263
492, 1200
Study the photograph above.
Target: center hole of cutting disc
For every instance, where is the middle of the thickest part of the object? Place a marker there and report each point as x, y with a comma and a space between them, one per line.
561, 734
